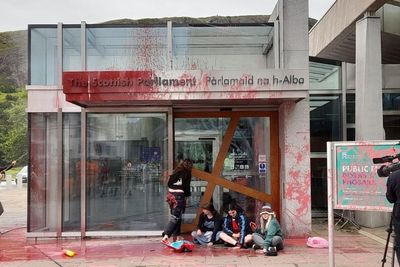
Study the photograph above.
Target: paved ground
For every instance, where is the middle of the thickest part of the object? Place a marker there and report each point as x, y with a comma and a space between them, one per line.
352, 248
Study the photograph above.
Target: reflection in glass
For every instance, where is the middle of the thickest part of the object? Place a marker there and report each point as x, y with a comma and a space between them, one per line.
222, 48
71, 172
250, 147
71, 49
43, 56
318, 184
325, 121
127, 48
324, 76
42, 201
125, 162
199, 140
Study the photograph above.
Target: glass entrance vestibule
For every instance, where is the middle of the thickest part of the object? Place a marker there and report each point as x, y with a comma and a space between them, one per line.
104, 171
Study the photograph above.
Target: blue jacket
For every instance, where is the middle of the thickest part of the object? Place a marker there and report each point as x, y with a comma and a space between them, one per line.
244, 226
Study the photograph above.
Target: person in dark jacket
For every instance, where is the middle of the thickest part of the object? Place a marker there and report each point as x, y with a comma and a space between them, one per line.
209, 227
393, 196
269, 234
236, 228
178, 191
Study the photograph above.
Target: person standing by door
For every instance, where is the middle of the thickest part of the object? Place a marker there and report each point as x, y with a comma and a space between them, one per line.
178, 192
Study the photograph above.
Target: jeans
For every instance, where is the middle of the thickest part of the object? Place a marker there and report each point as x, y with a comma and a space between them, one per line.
173, 227
277, 241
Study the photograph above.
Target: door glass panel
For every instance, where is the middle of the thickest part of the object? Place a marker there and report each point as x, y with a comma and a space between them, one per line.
198, 139
250, 206
126, 157
248, 160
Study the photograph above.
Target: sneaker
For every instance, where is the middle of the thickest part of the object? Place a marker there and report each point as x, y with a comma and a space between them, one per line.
271, 251
255, 247
165, 240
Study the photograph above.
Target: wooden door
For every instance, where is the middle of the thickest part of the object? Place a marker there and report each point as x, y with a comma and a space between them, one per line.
241, 142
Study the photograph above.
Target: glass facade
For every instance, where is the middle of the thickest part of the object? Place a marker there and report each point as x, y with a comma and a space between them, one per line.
43, 56
71, 172
220, 48
43, 191
126, 48
71, 49
126, 160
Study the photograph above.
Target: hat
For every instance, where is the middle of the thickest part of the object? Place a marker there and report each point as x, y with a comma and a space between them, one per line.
266, 210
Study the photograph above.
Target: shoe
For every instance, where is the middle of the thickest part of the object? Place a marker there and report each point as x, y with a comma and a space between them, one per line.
165, 240
255, 247
271, 251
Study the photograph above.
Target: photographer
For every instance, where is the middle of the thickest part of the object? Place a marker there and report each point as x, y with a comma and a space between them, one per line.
393, 196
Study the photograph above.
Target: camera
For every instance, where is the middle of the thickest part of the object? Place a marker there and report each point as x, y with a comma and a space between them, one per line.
385, 170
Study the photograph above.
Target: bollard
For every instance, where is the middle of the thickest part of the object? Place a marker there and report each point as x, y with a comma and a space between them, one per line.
19, 180
8, 180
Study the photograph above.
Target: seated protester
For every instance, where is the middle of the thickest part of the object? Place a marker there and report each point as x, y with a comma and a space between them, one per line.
209, 227
236, 228
269, 233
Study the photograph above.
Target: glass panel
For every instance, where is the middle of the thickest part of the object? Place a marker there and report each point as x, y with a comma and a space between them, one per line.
391, 101
324, 76
351, 134
250, 146
391, 124
250, 206
351, 108
318, 184
43, 183
43, 56
197, 189
325, 121
221, 48
126, 157
198, 139
71, 172
71, 49
127, 48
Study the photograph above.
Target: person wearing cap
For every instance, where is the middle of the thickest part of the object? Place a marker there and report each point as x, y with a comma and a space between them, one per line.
236, 228
269, 234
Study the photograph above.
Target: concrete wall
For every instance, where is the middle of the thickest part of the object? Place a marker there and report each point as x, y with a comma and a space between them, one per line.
294, 122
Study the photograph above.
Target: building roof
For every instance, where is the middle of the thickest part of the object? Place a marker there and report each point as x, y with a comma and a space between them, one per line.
333, 37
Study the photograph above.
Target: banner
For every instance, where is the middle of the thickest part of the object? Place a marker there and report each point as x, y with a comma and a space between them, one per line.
357, 185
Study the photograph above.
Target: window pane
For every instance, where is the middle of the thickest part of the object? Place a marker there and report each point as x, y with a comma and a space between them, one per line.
43, 56
126, 48
391, 101
318, 184
324, 76
71, 172
221, 48
391, 124
250, 143
42, 202
126, 157
325, 121
71, 49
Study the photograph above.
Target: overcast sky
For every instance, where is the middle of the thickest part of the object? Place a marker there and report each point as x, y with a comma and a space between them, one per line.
17, 14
